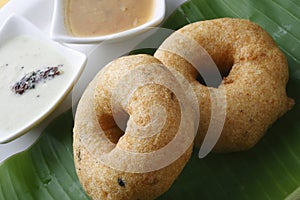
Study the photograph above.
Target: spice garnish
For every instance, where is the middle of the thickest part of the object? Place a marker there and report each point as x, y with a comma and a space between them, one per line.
121, 182
30, 80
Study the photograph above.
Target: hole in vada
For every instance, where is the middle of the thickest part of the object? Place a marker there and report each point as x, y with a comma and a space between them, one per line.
200, 79
113, 130
225, 65
225, 70
213, 80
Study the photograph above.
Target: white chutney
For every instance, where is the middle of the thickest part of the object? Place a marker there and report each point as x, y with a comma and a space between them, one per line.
18, 57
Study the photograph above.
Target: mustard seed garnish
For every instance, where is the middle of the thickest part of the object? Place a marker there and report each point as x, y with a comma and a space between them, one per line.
30, 80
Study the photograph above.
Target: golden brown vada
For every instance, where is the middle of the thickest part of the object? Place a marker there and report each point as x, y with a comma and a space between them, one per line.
130, 164
254, 71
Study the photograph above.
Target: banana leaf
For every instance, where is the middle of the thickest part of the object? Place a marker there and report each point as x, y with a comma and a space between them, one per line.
270, 170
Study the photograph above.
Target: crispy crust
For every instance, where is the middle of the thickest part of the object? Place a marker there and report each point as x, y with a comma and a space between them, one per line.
97, 134
255, 87
256, 97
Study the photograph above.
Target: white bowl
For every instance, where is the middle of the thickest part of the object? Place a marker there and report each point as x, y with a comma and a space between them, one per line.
17, 26
59, 31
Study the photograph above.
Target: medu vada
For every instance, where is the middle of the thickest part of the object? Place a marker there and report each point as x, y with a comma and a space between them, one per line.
254, 76
142, 159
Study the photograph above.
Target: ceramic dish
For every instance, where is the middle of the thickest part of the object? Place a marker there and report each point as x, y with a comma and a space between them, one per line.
17, 26
59, 31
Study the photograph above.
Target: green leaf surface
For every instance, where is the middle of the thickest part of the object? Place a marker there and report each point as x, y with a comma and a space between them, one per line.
46, 170
271, 170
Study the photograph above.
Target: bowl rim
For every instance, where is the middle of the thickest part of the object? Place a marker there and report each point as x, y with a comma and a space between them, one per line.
59, 33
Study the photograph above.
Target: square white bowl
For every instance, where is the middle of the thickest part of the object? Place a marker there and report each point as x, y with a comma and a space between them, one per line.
59, 31
15, 26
